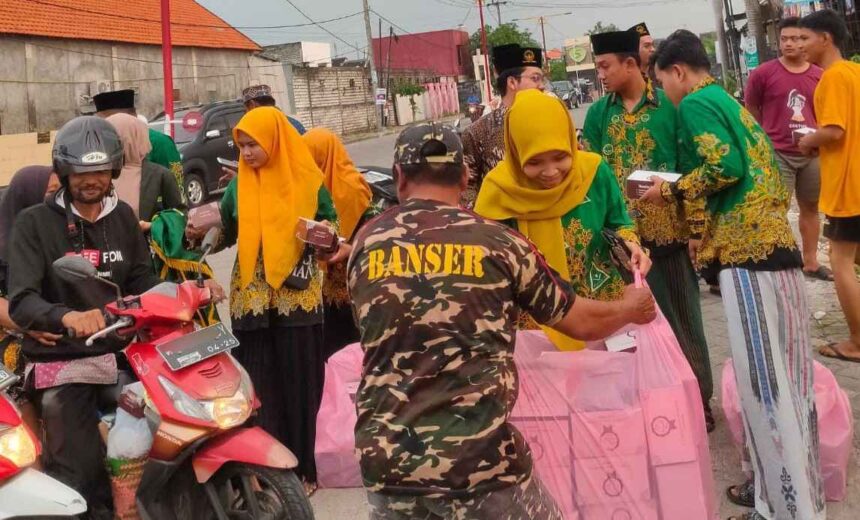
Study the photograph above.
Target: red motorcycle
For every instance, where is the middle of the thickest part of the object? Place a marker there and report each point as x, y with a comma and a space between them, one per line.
24, 491
204, 462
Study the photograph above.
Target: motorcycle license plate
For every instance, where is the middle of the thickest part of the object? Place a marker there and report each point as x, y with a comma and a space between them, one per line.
199, 345
6, 378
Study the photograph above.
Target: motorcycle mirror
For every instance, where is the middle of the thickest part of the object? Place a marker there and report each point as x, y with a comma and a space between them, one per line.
74, 268
210, 240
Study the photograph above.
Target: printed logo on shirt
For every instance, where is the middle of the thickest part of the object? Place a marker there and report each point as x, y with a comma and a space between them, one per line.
797, 102
97, 258
426, 259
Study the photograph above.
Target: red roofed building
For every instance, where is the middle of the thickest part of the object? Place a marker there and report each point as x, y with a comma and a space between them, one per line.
56, 54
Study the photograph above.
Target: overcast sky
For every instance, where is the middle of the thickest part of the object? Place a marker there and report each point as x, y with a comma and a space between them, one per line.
662, 16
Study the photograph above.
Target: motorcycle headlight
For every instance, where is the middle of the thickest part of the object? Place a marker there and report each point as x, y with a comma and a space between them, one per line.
17, 446
235, 410
226, 412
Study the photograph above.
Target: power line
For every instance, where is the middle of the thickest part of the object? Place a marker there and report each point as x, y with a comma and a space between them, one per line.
318, 24
225, 25
418, 36
595, 5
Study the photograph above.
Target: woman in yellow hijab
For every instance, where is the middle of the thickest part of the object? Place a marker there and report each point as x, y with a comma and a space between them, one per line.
351, 195
561, 198
276, 292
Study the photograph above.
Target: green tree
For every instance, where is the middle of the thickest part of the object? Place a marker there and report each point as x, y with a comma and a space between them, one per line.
709, 40
599, 28
503, 35
557, 70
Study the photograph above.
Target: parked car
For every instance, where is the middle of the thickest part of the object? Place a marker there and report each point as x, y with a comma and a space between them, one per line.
566, 92
201, 149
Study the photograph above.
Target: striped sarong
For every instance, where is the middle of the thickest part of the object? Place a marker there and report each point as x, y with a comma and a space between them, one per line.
768, 319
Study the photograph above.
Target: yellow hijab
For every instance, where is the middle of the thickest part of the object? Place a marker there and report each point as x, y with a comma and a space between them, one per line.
349, 190
272, 198
538, 123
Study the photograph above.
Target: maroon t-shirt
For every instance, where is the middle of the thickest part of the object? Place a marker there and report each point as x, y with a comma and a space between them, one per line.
785, 100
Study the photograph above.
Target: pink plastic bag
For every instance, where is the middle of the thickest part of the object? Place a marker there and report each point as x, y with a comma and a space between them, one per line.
835, 425
337, 465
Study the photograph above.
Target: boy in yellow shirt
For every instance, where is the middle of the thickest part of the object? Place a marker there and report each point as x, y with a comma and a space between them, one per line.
837, 107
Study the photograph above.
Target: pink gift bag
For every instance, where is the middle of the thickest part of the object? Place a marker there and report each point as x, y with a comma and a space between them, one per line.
835, 425
337, 465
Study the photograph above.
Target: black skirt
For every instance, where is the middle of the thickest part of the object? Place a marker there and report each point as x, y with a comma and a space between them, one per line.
287, 367
340, 329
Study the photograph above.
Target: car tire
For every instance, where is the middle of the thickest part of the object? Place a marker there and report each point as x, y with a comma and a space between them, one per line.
195, 189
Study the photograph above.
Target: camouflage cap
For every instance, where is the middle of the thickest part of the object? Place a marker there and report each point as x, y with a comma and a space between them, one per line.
411, 146
255, 92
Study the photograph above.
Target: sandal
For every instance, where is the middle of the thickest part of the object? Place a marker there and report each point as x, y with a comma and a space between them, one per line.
822, 273
742, 495
833, 352
710, 423
310, 488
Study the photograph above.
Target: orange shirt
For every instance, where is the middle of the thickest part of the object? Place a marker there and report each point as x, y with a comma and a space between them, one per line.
837, 103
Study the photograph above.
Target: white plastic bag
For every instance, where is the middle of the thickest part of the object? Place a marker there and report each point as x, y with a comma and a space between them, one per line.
129, 438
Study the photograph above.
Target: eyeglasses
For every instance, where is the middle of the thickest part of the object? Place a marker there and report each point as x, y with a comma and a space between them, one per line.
540, 79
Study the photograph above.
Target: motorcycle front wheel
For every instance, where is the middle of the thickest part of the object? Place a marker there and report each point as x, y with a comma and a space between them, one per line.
249, 492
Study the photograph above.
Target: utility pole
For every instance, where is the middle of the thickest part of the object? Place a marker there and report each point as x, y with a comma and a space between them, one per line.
167, 62
543, 38
542, 21
374, 77
498, 5
484, 51
722, 44
756, 28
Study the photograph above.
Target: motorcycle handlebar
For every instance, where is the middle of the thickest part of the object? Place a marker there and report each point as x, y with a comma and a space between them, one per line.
122, 323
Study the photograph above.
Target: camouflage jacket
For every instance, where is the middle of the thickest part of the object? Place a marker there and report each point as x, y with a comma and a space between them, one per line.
483, 149
436, 293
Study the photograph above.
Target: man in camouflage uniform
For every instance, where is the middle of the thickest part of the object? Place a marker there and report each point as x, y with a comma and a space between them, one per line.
517, 69
436, 292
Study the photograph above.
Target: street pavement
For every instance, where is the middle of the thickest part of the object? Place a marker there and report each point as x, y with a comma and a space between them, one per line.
827, 325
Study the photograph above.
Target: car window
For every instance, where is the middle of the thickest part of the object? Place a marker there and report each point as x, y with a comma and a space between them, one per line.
217, 123
233, 119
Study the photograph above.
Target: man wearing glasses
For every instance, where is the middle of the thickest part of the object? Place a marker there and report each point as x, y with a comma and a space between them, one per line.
779, 95
517, 68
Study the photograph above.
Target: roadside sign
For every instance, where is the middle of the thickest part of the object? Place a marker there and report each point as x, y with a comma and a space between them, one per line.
380, 96
193, 121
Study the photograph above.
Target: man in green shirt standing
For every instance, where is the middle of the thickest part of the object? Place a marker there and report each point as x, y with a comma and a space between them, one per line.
749, 246
634, 127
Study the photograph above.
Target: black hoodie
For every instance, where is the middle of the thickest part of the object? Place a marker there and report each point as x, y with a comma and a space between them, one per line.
39, 299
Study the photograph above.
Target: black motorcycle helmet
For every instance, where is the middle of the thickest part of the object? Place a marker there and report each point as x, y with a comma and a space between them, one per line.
87, 144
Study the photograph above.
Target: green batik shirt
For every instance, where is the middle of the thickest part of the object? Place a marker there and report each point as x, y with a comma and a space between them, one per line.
258, 305
592, 274
644, 139
436, 294
731, 163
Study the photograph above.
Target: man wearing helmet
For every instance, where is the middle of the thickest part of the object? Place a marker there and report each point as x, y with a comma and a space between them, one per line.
70, 382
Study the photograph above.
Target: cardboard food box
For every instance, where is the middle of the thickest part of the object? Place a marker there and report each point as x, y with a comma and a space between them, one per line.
640, 510
639, 181
799, 133
609, 433
205, 217
667, 428
317, 234
611, 480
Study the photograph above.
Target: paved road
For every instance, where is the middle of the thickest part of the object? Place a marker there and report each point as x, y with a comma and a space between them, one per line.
350, 503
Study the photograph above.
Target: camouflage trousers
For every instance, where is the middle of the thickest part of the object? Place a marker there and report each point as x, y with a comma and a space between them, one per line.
526, 501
